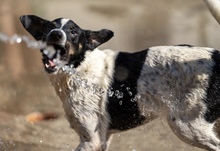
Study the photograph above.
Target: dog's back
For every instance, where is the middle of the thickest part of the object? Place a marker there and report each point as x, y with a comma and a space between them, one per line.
176, 74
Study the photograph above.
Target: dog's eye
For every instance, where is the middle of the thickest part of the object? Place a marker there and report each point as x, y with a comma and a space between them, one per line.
73, 32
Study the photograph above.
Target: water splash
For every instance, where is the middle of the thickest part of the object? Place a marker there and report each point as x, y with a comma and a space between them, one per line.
16, 39
50, 51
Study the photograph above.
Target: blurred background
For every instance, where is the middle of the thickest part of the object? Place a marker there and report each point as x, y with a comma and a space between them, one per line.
137, 24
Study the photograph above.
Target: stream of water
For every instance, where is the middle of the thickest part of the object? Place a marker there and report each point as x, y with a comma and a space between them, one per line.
49, 51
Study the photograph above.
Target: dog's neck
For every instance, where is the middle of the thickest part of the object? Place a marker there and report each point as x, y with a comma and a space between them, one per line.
75, 60
92, 66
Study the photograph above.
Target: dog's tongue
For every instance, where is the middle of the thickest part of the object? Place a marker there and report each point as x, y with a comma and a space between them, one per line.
52, 64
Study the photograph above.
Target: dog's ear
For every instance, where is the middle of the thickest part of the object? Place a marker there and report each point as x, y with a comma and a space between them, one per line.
35, 25
96, 38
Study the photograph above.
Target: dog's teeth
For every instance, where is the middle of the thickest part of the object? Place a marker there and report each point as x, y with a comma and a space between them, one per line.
47, 66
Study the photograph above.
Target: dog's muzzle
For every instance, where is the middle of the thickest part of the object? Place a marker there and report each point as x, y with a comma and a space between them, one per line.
57, 40
57, 37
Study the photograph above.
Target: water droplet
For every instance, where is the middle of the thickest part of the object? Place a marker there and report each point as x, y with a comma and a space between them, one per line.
45, 51
71, 66
136, 98
41, 141
110, 93
67, 145
116, 92
18, 40
119, 94
132, 99
60, 90
84, 83
101, 91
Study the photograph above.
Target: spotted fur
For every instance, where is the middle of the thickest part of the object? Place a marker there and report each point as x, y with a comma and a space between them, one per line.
110, 91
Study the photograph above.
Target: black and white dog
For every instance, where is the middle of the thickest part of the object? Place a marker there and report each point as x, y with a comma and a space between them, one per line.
181, 82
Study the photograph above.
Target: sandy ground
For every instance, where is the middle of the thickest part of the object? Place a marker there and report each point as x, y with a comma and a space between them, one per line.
137, 25
17, 134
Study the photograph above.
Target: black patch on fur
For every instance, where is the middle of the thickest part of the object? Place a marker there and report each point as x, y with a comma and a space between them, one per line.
185, 45
124, 110
213, 92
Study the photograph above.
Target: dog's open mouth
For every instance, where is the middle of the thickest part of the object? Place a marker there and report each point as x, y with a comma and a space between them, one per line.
50, 65
51, 59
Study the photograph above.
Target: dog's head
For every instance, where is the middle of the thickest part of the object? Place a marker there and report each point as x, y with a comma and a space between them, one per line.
67, 38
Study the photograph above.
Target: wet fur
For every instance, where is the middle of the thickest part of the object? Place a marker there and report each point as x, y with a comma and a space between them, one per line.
110, 91
173, 81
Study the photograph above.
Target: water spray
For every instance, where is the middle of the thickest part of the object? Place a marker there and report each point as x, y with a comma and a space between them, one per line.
50, 51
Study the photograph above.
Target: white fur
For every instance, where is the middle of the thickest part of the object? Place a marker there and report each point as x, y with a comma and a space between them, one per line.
174, 79
84, 97
63, 22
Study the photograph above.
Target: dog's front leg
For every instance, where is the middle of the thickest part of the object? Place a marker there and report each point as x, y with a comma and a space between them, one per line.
92, 146
92, 129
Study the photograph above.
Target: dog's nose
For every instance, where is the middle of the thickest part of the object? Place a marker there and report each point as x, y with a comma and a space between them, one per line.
55, 35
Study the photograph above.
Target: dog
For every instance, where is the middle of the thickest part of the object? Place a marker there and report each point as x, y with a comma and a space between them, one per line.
106, 91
